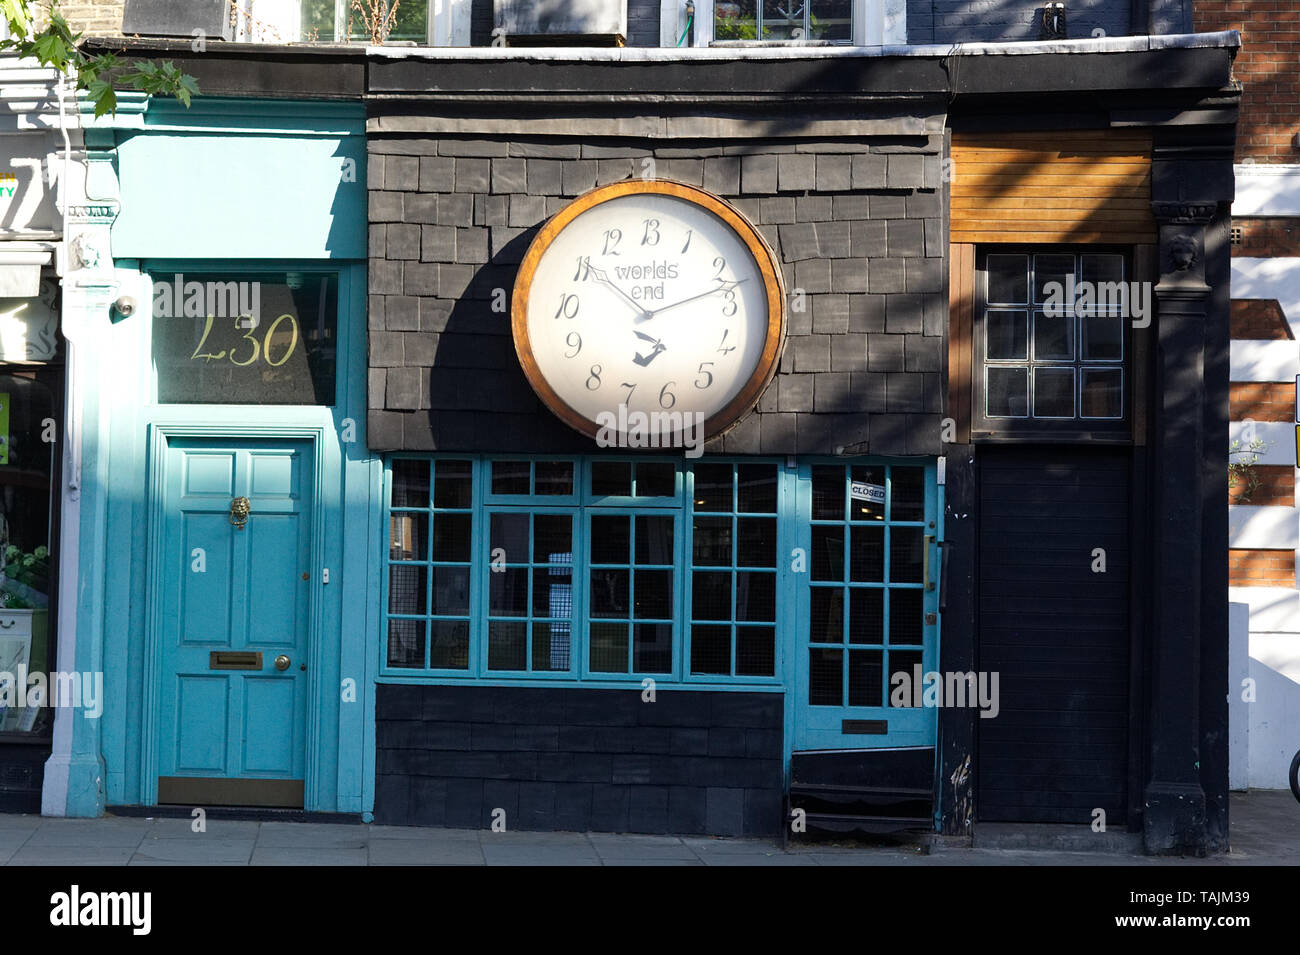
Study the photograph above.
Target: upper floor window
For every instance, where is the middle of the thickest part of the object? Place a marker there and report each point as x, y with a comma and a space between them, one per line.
855, 22
1052, 342
420, 22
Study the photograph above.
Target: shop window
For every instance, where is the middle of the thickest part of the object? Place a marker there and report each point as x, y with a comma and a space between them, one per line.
868, 578
340, 21
529, 579
29, 458
1051, 342
245, 337
733, 577
859, 22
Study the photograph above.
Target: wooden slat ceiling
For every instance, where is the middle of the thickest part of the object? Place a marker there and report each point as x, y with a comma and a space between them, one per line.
1057, 187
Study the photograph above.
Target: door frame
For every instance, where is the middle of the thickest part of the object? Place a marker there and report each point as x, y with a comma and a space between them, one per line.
159, 437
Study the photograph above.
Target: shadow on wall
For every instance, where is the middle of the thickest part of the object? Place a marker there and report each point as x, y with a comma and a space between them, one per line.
1274, 724
960, 21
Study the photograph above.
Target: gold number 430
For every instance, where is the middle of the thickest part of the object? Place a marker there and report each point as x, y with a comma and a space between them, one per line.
262, 349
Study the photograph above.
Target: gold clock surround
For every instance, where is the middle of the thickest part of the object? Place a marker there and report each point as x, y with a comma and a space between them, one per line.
764, 257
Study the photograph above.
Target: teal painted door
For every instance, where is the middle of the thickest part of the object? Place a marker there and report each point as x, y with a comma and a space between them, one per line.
235, 618
867, 606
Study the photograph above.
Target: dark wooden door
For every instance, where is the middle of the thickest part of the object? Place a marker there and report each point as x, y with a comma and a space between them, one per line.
1056, 630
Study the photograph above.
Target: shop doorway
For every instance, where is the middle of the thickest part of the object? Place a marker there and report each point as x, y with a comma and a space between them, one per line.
231, 584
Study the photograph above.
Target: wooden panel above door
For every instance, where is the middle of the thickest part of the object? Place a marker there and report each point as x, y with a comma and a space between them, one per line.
1052, 187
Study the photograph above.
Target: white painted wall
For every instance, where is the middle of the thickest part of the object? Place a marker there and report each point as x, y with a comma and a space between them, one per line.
1238, 708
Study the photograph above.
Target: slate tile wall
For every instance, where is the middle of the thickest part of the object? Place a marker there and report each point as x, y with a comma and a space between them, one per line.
857, 224
691, 762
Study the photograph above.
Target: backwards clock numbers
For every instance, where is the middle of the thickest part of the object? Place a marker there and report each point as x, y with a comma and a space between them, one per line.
650, 310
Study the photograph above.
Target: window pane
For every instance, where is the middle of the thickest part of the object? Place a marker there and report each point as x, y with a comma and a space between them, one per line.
1053, 337
867, 557
654, 539
866, 677
828, 493
452, 484
1097, 269
867, 493
712, 541
1049, 268
410, 483
611, 479
406, 643
1005, 336
609, 593
906, 616
756, 597
713, 487
554, 477
509, 535
1053, 392
551, 645
609, 647
508, 592
1008, 279
408, 535
828, 552
410, 21
507, 645
552, 539
735, 20
710, 649
451, 537
907, 494
450, 590
756, 488
826, 615
825, 676
611, 540
866, 615
755, 651
756, 546
408, 589
449, 645
652, 648
831, 20
552, 592
1101, 393
777, 25
710, 596
905, 555
510, 477
905, 661
654, 594
656, 479
1103, 338
1007, 392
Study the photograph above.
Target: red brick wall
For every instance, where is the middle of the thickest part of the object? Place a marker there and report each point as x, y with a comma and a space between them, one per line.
1276, 486
1258, 318
1261, 568
1266, 67
1261, 400
1266, 237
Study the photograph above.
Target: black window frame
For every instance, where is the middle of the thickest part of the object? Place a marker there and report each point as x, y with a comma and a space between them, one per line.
984, 428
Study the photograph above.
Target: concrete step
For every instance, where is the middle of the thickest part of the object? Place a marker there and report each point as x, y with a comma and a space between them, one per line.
1054, 838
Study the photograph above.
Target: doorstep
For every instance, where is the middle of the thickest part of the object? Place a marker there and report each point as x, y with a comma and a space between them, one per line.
1054, 838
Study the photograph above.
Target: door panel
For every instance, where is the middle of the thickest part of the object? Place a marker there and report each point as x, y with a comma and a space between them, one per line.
1056, 632
867, 606
234, 600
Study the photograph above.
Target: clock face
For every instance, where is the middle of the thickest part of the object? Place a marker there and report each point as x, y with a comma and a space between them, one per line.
648, 296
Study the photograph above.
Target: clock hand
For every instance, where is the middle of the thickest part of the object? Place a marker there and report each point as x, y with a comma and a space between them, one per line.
604, 279
724, 287
644, 360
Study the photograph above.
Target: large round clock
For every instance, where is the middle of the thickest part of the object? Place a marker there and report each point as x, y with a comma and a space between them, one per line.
645, 300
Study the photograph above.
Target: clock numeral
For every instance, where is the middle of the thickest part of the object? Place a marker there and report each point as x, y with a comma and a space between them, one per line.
651, 236
612, 238
568, 306
631, 387
594, 376
730, 308
705, 374
576, 345
584, 269
720, 264
723, 347
666, 398
689, 233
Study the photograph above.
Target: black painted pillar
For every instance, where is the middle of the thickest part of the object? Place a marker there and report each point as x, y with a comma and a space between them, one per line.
1174, 812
